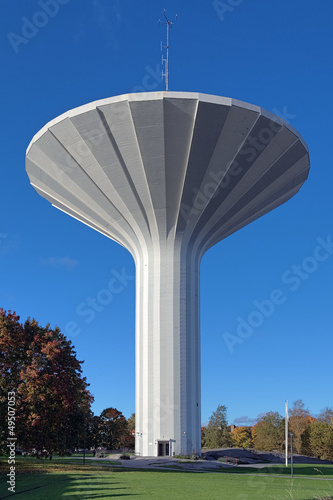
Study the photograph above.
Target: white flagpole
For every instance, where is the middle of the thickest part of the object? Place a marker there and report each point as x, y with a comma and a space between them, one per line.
286, 435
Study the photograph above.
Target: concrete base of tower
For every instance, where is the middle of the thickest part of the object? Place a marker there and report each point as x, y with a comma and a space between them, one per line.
162, 447
168, 389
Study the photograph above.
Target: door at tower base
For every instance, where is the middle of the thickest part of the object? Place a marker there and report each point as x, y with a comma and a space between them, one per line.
163, 448
167, 175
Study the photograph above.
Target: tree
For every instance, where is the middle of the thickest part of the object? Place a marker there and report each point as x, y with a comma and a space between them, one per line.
317, 440
131, 422
12, 353
93, 427
217, 434
268, 433
113, 429
326, 415
298, 421
242, 437
203, 433
51, 398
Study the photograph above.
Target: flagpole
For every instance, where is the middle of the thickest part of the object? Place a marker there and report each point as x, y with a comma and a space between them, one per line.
286, 435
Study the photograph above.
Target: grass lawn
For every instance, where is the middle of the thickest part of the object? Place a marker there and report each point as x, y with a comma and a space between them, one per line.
43, 480
78, 459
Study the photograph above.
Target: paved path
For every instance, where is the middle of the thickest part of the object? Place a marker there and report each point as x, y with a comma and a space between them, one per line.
177, 464
163, 463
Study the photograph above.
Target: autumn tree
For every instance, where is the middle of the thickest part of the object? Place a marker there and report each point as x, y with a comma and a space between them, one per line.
317, 440
268, 433
52, 399
299, 419
217, 434
242, 437
12, 357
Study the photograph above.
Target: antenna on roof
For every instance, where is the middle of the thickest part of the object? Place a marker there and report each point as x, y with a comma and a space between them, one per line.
169, 24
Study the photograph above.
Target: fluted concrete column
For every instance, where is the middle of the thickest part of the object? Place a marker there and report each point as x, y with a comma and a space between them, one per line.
167, 350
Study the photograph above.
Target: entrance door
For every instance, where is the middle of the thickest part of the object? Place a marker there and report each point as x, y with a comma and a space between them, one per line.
163, 449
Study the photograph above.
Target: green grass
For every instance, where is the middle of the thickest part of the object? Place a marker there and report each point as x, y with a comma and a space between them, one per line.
44, 480
75, 459
300, 470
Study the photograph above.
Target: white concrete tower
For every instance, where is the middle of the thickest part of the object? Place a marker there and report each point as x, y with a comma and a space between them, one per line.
167, 175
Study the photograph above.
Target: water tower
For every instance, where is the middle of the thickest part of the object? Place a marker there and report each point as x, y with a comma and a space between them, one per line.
167, 175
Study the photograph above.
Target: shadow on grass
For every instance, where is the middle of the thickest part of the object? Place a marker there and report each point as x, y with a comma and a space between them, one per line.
97, 486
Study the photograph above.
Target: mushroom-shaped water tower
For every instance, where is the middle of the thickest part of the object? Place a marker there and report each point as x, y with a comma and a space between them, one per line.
167, 175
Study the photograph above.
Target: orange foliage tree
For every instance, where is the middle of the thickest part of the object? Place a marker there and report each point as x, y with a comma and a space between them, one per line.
39, 366
242, 437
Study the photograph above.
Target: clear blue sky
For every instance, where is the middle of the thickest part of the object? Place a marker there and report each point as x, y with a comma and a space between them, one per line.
277, 55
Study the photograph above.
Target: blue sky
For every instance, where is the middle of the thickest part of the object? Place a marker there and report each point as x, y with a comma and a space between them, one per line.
61, 54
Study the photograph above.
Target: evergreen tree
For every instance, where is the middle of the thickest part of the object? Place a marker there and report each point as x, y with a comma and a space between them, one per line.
217, 434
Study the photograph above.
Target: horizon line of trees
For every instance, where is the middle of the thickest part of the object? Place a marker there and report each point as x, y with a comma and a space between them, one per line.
311, 436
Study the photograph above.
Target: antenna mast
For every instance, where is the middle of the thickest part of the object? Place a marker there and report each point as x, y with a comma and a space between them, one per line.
169, 25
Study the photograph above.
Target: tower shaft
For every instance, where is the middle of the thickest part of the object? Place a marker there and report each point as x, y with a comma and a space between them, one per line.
167, 351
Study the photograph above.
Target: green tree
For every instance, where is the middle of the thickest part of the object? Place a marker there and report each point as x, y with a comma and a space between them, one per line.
113, 429
317, 440
203, 432
131, 422
217, 434
40, 366
110, 430
93, 438
268, 433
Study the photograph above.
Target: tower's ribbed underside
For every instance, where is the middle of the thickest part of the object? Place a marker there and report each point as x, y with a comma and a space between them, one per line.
167, 175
